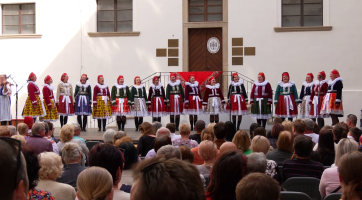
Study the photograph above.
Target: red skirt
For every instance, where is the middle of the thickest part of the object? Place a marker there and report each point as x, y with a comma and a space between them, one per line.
329, 105
66, 106
176, 105
158, 107
316, 108
238, 105
121, 109
195, 106
286, 108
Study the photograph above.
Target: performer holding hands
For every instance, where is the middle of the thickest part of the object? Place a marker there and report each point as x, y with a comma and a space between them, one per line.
193, 100
102, 108
83, 98
316, 98
156, 100
5, 104
49, 101
34, 107
305, 93
138, 101
65, 99
174, 99
213, 100
120, 96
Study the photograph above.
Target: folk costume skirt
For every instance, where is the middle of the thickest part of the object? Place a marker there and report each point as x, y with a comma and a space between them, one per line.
286, 107
51, 115
30, 111
260, 109
305, 108
5, 108
66, 106
214, 106
103, 109
140, 108
176, 105
238, 105
121, 108
195, 106
315, 111
329, 105
82, 105
158, 107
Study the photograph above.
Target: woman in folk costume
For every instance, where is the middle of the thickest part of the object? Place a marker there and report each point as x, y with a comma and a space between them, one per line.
316, 98
261, 98
5, 103
304, 97
34, 107
286, 99
120, 96
175, 96
49, 101
156, 100
102, 107
193, 100
83, 98
238, 98
213, 100
138, 102
332, 102
65, 99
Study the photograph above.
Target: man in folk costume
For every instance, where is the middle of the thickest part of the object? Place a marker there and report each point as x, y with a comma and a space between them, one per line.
213, 100
102, 107
49, 101
138, 102
193, 100
83, 98
120, 96
286, 99
238, 98
174, 98
65, 99
34, 107
304, 97
156, 100
316, 98
5, 103
332, 103
261, 98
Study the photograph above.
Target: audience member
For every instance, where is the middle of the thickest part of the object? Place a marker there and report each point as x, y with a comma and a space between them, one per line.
277, 120
220, 131
227, 146
185, 131
172, 128
259, 131
345, 128
20, 138
29, 121
12, 130
257, 186
169, 152
257, 163
108, 136
206, 135
147, 141
66, 136
316, 129
4, 131
309, 130
130, 162
242, 142
208, 152
50, 169
298, 127
252, 127
118, 135
351, 120
275, 131
338, 132
211, 125
186, 154
47, 137
284, 149
354, 133
166, 139
123, 139
95, 183
23, 130
156, 125
350, 174
77, 130
52, 129
288, 126
231, 131
37, 140
199, 127
325, 153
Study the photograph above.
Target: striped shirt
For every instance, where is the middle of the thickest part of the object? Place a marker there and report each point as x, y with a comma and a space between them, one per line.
302, 168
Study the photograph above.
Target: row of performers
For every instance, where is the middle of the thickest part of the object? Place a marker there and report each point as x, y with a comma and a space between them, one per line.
319, 99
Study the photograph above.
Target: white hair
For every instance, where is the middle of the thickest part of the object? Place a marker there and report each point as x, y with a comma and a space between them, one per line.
257, 163
76, 126
108, 136
12, 129
71, 152
163, 131
169, 152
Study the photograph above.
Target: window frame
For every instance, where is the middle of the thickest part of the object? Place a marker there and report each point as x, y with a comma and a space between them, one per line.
301, 13
115, 17
205, 11
20, 18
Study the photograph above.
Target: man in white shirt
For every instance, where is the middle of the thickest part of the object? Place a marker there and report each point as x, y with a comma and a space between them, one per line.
172, 128
309, 130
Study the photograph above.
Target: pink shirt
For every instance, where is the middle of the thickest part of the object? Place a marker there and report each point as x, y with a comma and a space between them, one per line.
329, 182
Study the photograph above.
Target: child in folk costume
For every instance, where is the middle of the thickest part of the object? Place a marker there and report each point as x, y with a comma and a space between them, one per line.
286, 99
332, 102
102, 107
138, 102
174, 95
213, 100
305, 93
34, 107
5, 103
193, 100
238, 98
49, 101
156, 100
261, 98
83, 98
316, 98
120, 96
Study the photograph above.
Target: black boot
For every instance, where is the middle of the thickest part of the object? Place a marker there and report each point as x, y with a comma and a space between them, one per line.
85, 119
264, 122
79, 120
177, 122
65, 120
136, 123
104, 124
99, 125
239, 122
122, 125
61, 121
320, 122
119, 125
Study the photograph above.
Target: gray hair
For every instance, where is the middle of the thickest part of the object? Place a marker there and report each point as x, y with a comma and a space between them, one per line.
71, 152
37, 127
76, 126
169, 152
257, 163
345, 145
163, 131
118, 135
108, 136
309, 124
156, 125
12, 130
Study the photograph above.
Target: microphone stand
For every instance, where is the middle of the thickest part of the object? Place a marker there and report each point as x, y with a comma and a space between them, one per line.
17, 100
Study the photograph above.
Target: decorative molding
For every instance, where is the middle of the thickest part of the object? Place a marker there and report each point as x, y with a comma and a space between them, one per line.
172, 52
172, 42
300, 29
237, 42
249, 51
113, 34
238, 51
161, 52
172, 61
21, 36
237, 60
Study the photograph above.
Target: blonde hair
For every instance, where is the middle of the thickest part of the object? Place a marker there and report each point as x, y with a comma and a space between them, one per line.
285, 141
66, 133
207, 150
350, 172
23, 129
50, 166
241, 140
94, 183
208, 134
20, 138
211, 125
185, 129
288, 126
260, 144
345, 145
4, 131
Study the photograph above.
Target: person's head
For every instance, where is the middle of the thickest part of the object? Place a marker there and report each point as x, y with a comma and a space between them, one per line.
211, 125
66, 133
46, 126
163, 132
346, 128
76, 129
253, 126
325, 142
350, 175
288, 126
156, 80
94, 183
12, 130
29, 121
309, 126
285, 141
169, 151
231, 131
277, 120
108, 136
351, 120
4, 131
200, 125
185, 130
338, 131
321, 76
261, 77
316, 128
212, 81
23, 129
83, 78
20, 138
220, 130
226, 146
309, 78
108, 157
326, 127
156, 125
146, 129
208, 134
285, 77
257, 162
2, 78
334, 74
165, 179
260, 144
124, 139
172, 77
100, 79
235, 77
120, 80
207, 150
303, 146
38, 129
228, 169
162, 141
171, 127
299, 126
250, 187
241, 140
50, 166
259, 131
118, 135
64, 78
130, 155
51, 128
71, 153
137, 80
186, 154
32, 165
276, 129
355, 132
346, 145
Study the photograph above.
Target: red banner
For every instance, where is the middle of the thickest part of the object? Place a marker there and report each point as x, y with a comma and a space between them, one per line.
200, 77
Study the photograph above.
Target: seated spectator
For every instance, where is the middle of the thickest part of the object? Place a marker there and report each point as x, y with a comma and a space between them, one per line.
95, 183
172, 128
77, 130
259, 131
276, 120
284, 149
108, 136
350, 175
220, 131
199, 127
275, 131
326, 127
207, 151
20, 138
206, 134
47, 137
66, 136
257, 163
4, 131
29, 121
252, 127
250, 186
186, 154
37, 140
229, 168
32, 168
130, 162
309, 130
72, 156
288, 126
242, 142
345, 128
51, 129
211, 125
231, 131
110, 158
50, 169
147, 141
185, 131
325, 153
169, 152
298, 127
156, 125
165, 141
354, 133
338, 132
118, 135
12, 130
302, 166
168, 177
123, 139
330, 180
23, 130
227, 146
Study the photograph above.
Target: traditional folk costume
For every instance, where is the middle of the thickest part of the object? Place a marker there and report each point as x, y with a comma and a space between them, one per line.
214, 101
175, 96
65, 100
261, 98
286, 99
5, 104
34, 107
120, 96
156, 99
102, 107
305, 98
138, 102
83, 104
49, 102
320, 90
193, 101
